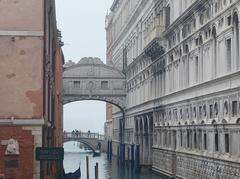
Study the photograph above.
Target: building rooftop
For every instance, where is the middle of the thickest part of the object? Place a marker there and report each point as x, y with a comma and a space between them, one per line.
90, 60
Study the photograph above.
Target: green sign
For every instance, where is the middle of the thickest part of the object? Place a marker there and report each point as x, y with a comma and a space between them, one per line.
45, 153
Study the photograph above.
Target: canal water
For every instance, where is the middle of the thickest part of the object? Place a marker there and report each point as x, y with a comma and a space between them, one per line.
74, 157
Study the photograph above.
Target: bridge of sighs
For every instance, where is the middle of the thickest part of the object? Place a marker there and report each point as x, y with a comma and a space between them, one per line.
91, 79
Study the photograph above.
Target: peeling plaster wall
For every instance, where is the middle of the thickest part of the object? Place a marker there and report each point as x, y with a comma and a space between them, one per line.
21, 77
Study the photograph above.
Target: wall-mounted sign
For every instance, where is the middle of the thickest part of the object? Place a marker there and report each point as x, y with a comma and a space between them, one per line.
45, 153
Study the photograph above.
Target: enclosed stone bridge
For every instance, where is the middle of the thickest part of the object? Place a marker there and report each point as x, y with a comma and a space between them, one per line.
91, 79
94, 141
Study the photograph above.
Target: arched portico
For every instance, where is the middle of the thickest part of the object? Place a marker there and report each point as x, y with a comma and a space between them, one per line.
144, 136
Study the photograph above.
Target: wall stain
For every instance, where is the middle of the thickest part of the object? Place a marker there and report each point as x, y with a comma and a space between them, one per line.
36, 97
22, 52
11, 75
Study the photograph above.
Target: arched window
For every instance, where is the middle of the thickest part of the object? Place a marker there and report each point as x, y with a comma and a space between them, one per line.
238, 121
236, 35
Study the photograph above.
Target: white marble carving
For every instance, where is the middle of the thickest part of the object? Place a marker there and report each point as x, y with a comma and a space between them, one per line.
12, 147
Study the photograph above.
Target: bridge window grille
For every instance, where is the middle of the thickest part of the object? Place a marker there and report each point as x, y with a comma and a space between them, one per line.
76, 84
104, 84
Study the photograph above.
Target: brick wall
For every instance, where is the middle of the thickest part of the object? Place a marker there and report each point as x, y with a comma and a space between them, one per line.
18, 166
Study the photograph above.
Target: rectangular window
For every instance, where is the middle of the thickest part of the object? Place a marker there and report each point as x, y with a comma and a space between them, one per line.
104, 84
205, 141
216, 142
188, 139
167, 16
76, 84
196, 41
234, 108
229, 53
227, 149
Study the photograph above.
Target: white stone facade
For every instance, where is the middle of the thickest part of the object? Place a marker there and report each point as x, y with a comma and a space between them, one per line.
182, 65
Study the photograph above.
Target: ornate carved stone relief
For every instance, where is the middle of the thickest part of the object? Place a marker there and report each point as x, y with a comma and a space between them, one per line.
12, 147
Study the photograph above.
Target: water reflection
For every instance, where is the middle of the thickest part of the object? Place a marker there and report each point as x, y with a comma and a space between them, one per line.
75, 156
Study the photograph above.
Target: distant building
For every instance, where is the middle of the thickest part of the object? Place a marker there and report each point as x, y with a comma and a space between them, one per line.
181, 59
31, 87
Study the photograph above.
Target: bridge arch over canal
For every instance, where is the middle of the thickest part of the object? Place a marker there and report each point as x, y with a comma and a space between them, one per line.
91, 79
94, 141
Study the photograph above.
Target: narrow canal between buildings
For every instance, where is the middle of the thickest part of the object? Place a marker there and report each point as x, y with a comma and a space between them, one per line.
107, 170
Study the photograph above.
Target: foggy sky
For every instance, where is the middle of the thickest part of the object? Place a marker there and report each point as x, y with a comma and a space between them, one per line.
82, 23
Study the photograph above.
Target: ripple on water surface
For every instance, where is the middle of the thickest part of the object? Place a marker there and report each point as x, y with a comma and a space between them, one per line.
74, 156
